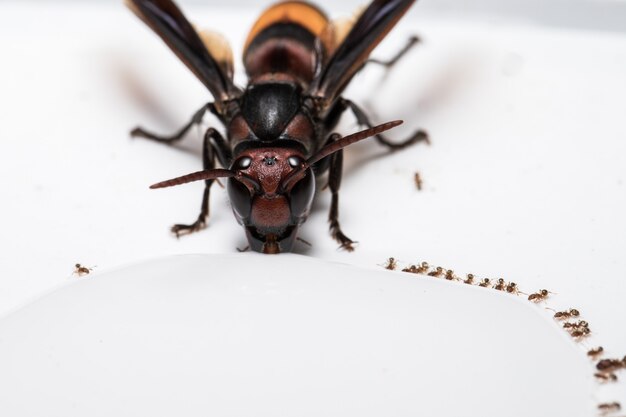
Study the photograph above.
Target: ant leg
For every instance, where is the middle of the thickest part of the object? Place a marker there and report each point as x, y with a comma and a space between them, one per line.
208, 161
196, 119
362, 119
413, 40
334, 181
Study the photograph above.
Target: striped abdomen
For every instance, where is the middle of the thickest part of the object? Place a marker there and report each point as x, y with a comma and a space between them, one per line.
283, 41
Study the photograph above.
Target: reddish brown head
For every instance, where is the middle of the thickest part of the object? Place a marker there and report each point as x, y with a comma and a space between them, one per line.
270, 212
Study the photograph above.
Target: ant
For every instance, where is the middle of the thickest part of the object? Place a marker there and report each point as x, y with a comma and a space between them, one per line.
436, 273
609, 365
580, 333
539, 296
485, 283
580, 324
608, 407
593, 353
562, 315
391, 264
81, 270
450, 275
470, 279
500, 285
411, 268
606, 377
423, 268
418, 181
512, 288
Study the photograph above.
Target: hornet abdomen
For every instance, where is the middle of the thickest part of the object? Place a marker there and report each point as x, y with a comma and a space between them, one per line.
282, 41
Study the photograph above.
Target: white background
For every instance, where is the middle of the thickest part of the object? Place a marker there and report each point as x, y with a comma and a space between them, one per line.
524, 178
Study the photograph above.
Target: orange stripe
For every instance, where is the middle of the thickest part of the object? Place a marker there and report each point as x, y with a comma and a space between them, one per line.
298, 12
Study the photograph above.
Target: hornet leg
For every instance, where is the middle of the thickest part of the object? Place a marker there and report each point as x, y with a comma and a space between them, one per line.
334, 181
413, 40
363, 120
196, 119
208, 161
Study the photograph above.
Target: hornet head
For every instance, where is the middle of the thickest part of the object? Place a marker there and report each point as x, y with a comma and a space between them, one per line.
270, 209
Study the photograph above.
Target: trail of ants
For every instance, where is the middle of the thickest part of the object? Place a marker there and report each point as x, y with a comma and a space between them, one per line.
605, 370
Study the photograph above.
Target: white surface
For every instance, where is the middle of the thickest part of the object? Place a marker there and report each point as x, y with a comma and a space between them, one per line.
231, 336
525, 177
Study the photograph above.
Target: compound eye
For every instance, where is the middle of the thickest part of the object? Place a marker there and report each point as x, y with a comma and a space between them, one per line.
240, 198
243, 163
301, 195
294, 161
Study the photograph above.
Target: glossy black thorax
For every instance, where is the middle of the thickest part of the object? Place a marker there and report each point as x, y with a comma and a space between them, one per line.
269, 107
272, 114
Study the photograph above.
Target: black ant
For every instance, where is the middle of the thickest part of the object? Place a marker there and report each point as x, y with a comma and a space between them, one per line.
470, 279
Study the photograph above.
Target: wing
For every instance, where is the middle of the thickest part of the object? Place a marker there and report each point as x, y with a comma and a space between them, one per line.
166, 19
371, 27
219, 48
